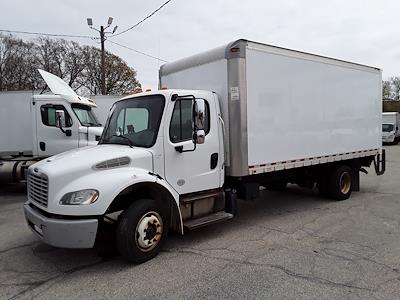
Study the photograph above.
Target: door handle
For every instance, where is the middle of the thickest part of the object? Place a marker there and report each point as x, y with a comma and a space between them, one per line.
214, 161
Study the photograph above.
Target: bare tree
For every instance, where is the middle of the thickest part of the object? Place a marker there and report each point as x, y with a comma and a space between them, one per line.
15, 67
395, 82
78, 65
386, 89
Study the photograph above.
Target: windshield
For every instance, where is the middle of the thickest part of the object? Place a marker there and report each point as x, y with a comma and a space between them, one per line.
134, 121
387, 127
85, 115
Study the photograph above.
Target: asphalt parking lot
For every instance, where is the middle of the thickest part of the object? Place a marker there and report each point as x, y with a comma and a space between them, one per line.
291, 245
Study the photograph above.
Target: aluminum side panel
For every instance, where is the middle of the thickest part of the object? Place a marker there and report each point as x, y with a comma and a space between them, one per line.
238, 135
299, 108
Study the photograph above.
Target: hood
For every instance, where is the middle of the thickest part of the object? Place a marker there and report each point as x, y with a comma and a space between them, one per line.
81, 161
60, 87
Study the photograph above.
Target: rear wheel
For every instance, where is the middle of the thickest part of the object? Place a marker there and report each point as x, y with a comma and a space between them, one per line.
341, 182
141, 231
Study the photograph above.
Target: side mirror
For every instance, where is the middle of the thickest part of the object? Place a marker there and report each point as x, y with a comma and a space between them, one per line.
200, 136
60, 119
199, 120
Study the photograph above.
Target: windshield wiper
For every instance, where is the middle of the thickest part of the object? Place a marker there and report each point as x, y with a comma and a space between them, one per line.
123, 137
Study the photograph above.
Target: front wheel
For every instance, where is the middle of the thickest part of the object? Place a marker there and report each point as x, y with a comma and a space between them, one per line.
141, 231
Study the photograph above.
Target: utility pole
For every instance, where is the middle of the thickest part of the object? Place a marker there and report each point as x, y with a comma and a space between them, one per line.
103, 56
102, 69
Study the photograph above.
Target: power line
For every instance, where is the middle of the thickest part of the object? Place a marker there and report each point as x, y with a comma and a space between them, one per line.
137, 51
80, 36
49, 34
144, 19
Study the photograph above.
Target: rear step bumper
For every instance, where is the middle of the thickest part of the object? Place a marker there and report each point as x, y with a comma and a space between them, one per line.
207, 220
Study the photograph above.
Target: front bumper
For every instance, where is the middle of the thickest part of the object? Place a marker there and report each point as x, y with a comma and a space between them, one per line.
63, 233
388, 139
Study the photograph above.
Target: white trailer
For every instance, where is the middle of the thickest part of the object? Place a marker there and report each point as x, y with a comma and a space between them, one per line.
29, 130
390, 127
233, 119
103, 106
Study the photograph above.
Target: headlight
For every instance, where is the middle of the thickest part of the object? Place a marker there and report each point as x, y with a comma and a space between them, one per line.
80, 197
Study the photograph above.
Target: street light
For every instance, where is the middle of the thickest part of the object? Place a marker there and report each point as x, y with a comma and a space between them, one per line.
102, 39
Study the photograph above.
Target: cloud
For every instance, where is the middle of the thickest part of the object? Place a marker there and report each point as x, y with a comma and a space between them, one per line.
355, 30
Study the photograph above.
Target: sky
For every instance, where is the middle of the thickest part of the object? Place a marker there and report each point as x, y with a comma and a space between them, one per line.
362, 31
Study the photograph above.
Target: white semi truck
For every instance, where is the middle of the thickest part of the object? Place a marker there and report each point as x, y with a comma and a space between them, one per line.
233, 119
36, 126
390, 127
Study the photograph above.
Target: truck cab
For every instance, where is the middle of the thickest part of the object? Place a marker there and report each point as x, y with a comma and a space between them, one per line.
388, 133
162, 151
63, 120
390, 127
43, 125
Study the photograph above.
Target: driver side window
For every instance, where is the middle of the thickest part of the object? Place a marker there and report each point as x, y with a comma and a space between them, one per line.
48, 113
181, 127
181, 123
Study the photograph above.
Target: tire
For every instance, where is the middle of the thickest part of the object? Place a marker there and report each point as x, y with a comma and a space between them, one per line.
133, 242
341, 182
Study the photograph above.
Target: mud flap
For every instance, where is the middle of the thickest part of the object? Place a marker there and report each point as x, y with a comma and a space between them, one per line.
380, 163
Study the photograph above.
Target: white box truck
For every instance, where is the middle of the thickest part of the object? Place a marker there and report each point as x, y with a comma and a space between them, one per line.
30, 131
233, 119
390, 127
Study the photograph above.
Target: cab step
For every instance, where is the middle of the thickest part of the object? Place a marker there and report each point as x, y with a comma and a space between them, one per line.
207, 220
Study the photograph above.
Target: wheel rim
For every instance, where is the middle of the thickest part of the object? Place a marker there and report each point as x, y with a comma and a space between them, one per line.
149, 231
345, 182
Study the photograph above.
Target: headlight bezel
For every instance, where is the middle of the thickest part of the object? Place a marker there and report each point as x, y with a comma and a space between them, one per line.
87, 197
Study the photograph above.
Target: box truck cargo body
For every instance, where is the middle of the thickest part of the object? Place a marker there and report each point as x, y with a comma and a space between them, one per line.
223, 124
390, 127
29, 130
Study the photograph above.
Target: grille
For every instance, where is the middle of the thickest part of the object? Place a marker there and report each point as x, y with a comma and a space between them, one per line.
38, 188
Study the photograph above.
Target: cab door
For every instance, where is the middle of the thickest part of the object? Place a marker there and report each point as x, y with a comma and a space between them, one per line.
196, 169
50, 139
